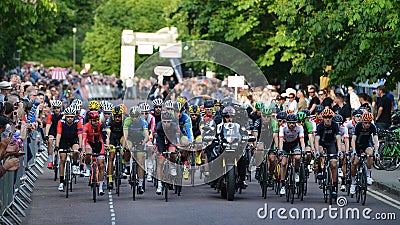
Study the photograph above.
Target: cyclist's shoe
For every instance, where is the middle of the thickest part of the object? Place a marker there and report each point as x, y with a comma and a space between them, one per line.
101, 191
124, 175
283, 190
140, 190
369, 180
340, 172
50, 165
343, 188
110, 186
82, 173
334, 194
75, 170
159, 190
352, 189
173, 170
186, 173
309, 167
257, 176
149, 177
270, 181
198, 158
206, 173
87, 173
296, 177
61, 187
320, 176
244, 184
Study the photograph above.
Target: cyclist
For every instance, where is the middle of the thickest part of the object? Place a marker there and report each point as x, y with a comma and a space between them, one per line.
166, 138
93, 142
114, 135
291, 139
318, 117
185, 125
51, 128
151, 121
343, 131
197, 128
309, 131
208, 108
350, 124
69, 135
136, 133
157, 108
361, 143
106, 112
328, 137
93, 106
264, 130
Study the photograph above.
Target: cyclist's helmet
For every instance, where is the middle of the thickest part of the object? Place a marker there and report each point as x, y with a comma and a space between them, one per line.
144, 107
108, 107
229, 111
208, 103
93, 115
166, 116
56, 103
123, 107
396, 118
227, 101
367, 117
94, 105
179, 106
281, 115
70, 111
292, 118
194, 109
169, 104
76, 107
289, 111
259, 106
181, 99
134, 111
357, 112
117, 110
307, 112
327, 113
301, 116
77, 102
267, 111
217, 102
103, 104
275, 109
157, 102
319, 109
338, 118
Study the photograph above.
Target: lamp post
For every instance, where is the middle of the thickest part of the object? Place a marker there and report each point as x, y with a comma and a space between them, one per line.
74, 50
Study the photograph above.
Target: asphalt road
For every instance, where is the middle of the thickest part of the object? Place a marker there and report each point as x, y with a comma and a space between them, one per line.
197, 205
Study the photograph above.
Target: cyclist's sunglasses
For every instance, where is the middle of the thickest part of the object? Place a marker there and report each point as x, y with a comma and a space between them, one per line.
69, 117
118, 116
291, 123
107, 113
193, 114
145, 113
327, 117
358, 115
157, 107
281, 121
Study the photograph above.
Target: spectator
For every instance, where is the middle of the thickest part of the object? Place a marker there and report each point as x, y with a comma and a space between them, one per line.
354, 101
384, 107
365, 101
292, 104
314, 100
281, 103
326, 101
5, 90
341, 107
302, 104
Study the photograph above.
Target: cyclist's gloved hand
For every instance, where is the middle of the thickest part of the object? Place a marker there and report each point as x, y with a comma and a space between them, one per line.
56, 148
376, 153
317, 154
280, 152
79, 149
46, 138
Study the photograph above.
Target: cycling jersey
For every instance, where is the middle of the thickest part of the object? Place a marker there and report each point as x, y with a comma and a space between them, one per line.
53, 119
185, 125
197, 125
207, 118
151, 121
156, 117
364, 136
328, 136
343, 132
116, 132
93, 137
291, 138
350, 126
163, 140
69, 133
308, 129
135, 129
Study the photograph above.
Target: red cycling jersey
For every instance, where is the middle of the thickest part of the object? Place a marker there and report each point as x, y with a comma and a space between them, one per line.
93, 137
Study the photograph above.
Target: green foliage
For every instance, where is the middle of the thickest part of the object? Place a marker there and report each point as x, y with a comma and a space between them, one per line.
102, 46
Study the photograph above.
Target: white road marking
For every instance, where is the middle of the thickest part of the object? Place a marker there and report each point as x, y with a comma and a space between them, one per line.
384, 200
112, 212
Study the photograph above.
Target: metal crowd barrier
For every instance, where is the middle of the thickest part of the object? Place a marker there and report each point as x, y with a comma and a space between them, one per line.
16, 187
101, 92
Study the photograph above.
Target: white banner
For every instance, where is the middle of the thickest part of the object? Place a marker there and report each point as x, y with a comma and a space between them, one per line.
127, 62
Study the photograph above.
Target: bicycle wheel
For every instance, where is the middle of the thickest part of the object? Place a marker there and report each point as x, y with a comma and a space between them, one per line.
302, 181
277, 178
133, 180
358, 185
67, 177
55, 166
118, 173
94, 182
363, 189
324, 185
192, 169
264, 179
178, 178
329, 184
348, 177
287, 183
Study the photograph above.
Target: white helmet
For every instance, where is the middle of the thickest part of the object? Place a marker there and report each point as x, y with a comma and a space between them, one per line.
144, 107
107, 107
56, 103
70, 111
77, 102
157, 102
169, 104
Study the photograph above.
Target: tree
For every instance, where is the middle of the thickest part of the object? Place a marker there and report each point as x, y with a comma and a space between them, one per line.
349, 41
102, 46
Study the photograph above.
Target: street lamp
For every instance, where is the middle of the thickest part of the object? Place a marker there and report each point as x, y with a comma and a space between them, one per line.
74, 51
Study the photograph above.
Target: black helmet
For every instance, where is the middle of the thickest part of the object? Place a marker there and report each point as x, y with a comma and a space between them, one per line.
281, 115
208, 103
292, 118
307, 112
337, 118
396, 118
319, 109
229, 110
357, 112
